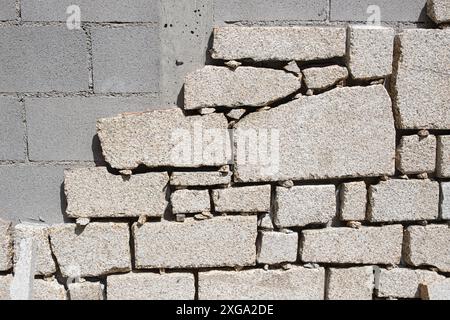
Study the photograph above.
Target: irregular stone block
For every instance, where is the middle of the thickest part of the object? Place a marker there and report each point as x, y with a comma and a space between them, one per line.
95, 193
44, 290
245, 199
428, 246
196, 244
265, 221
278, 43
204, 179
403, 200
5, 285
304, 205
277, 247
6, 245
367, 245
353, 196
445, 200
416, 154
443, 157
86, 291
190, 201
302, 147
177, 140
350, 284
439, 290
43, 254
323, 78
295, 284
244, 87
422, 79
402, 282
151, 286
370, 51
95, 250
439, 11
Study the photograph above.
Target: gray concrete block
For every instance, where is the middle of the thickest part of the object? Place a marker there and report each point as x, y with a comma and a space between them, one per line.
443, 157
8, 11
91, 10
63, 129
12, 130
42, 59
416, 154
277, 247
390, 11
267, 10
350, 284
126, 59
245, 199
86, 291
190, 201
6, 243
29, 192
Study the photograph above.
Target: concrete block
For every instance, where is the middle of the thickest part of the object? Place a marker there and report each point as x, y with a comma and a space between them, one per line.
295, 284
6, 245
45, 290
428, 246
403, 200
439, 11
95, 250
151, 286
402, 282
389, 11
96, 193
8, 11
277, 247
39, 233
63, 129
439, 290
367, 245
350, 284
12, 130
177, 140
308, 150
443, 157
320, 78
304, 205
5, 285
40, 58
353, 197
422, 79
91, 10
190, 201
416, 155
126, 59
278, 43
204, 179
445, 200
86, 291
196, 244
266, 10
370, 51
221, 87
245, 199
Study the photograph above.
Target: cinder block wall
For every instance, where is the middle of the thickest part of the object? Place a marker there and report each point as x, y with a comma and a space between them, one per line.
130, 55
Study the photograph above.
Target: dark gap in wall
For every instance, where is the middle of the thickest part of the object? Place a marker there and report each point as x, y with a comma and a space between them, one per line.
132, 246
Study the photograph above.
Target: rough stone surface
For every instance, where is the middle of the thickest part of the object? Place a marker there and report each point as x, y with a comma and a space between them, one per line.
190, 179
370, 51
428, 246
416, 154
244, 87
44, 290
439, 290
5, 285
310, 150
190, 201
40, 235
244, 199
350, 284
97, 249
278, 43
96, 193
126, 144
322, 78
265, 221
86, 291
151, 286
445, 200
402, 282
8, 11
443, 157
218, 242
422, 79
277, 247
6, 245
12, 129
439, 10
353, 197
403, 200
367, 245
304, 205
295, 284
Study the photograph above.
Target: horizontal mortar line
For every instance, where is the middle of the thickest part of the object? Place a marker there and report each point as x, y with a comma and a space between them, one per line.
6, 163
83, 23
56, 94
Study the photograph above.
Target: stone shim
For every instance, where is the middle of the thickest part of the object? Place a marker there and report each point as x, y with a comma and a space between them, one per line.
218, 242
350, 284
295, 284
309, 149
164, 138
278, 43
244, 87
244, 199
96, 193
